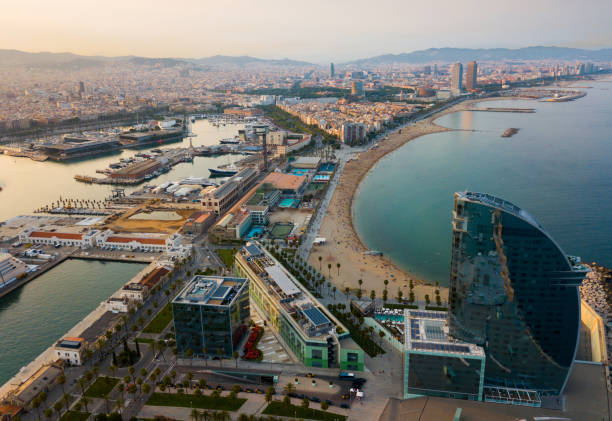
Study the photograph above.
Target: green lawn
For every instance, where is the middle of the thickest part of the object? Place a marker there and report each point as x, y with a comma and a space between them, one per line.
195, 401
227, 256
75, 416
281, 230
101, 387
145, 340
160, 321
280, 409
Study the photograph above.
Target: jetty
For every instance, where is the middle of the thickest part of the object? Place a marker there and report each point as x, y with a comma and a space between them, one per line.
504, 110
510, 132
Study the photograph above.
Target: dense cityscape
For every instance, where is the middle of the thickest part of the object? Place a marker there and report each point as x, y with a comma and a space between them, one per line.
217, 238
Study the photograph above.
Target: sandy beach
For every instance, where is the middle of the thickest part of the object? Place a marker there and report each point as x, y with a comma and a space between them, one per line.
344, 245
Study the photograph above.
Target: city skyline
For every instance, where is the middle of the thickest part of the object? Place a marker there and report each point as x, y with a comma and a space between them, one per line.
194, 30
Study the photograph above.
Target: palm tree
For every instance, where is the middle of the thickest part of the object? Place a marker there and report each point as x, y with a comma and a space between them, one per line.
372, 295
195, 414
360, 282
338, 266
347, 290
329, 265
61, 380
320, 259
119, 404
220, 354
235, 355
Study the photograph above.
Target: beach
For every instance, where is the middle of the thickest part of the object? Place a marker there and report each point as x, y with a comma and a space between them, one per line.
344, 245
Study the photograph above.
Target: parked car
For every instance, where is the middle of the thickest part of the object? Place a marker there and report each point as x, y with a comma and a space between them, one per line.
345, 406
315, 399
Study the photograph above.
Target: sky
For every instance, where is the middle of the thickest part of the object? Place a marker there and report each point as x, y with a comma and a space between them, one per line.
315, 30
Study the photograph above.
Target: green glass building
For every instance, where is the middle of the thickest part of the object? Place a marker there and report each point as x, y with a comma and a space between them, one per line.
211, 315
314, 336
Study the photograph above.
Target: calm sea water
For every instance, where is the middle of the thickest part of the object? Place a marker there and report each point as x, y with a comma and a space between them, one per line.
27, 185
558, 167
36, 315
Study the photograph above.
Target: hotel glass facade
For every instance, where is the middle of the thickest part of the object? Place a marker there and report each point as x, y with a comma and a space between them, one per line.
514, 293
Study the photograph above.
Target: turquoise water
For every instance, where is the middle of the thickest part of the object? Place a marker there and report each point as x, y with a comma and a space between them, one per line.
558, 167
393, 317
288, 203
34, 316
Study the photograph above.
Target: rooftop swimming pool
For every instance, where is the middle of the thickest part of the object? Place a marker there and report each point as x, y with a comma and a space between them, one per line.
321, 177
255, 232
327, 167
393, 317
300, 172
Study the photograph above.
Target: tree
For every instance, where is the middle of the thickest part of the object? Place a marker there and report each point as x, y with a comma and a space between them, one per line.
320, 259
305, 403
427, 300
48, 413
220, 355
81, 382
287, 400
338, 266
61, 380
132, 370
195, 414
324, 406
329, 265
386, 282
360, 282
36, 405
372, 295
359, 294
400, 294
85, 401
347, 290
113, 369
235, 355
268, 397
146, 388
289, 388
382, 335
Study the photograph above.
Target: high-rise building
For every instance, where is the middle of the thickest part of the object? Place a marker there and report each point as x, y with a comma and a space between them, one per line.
332, 71
357, 88
514, 293
435, 71
456, 81
211, 314
471, 77
81, 87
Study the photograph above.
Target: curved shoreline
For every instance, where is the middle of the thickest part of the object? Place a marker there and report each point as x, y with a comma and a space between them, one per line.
345, 245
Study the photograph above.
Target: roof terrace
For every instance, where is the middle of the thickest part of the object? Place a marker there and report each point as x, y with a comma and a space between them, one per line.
210, 290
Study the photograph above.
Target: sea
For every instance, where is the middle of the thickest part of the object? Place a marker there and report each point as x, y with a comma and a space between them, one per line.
558, 167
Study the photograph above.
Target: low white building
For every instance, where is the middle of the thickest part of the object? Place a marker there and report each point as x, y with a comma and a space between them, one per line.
84, 239
118, 305
70, 350
159, 243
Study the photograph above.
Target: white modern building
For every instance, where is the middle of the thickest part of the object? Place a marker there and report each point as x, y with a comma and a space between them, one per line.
70, 350
83, 239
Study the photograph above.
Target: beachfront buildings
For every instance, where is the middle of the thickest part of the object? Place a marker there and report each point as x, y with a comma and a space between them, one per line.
211, 315
514, 292
315, 337
471, 76
456, 79
70, 350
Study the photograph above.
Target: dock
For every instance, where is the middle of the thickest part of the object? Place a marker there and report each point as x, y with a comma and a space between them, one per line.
7, 289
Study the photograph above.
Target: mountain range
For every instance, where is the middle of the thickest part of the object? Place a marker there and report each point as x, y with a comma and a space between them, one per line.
15, 58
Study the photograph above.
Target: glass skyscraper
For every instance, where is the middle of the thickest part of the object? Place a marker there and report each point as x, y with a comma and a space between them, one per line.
514, 293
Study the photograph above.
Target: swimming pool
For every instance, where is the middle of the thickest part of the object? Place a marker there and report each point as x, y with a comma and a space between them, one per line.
393, 317
255, 232
321, 177
297, 171
288, 203
328, 167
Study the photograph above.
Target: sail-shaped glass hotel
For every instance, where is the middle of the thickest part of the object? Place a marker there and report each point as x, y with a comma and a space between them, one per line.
515, 293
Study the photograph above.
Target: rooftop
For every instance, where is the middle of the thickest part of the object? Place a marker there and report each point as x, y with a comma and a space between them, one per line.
490, 200
426, 331
284, 181
210, 290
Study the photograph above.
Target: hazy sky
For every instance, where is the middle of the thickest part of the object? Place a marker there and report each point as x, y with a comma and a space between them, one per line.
314, 30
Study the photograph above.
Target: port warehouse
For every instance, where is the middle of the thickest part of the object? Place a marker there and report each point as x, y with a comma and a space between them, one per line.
219, 199
75, 147
315, 337
150, 136
137, 170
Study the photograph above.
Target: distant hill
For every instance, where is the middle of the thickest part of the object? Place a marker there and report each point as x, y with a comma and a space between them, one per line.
432, 55
247, 60
15, 58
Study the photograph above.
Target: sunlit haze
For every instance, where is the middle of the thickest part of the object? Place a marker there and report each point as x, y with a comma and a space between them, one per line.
317, 30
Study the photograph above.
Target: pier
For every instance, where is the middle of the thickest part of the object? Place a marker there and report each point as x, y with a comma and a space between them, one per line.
504, 110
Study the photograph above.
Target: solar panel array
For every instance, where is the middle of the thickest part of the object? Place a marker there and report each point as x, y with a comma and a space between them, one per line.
220, 292
414, 329
316, 316
440, 347
428, 314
